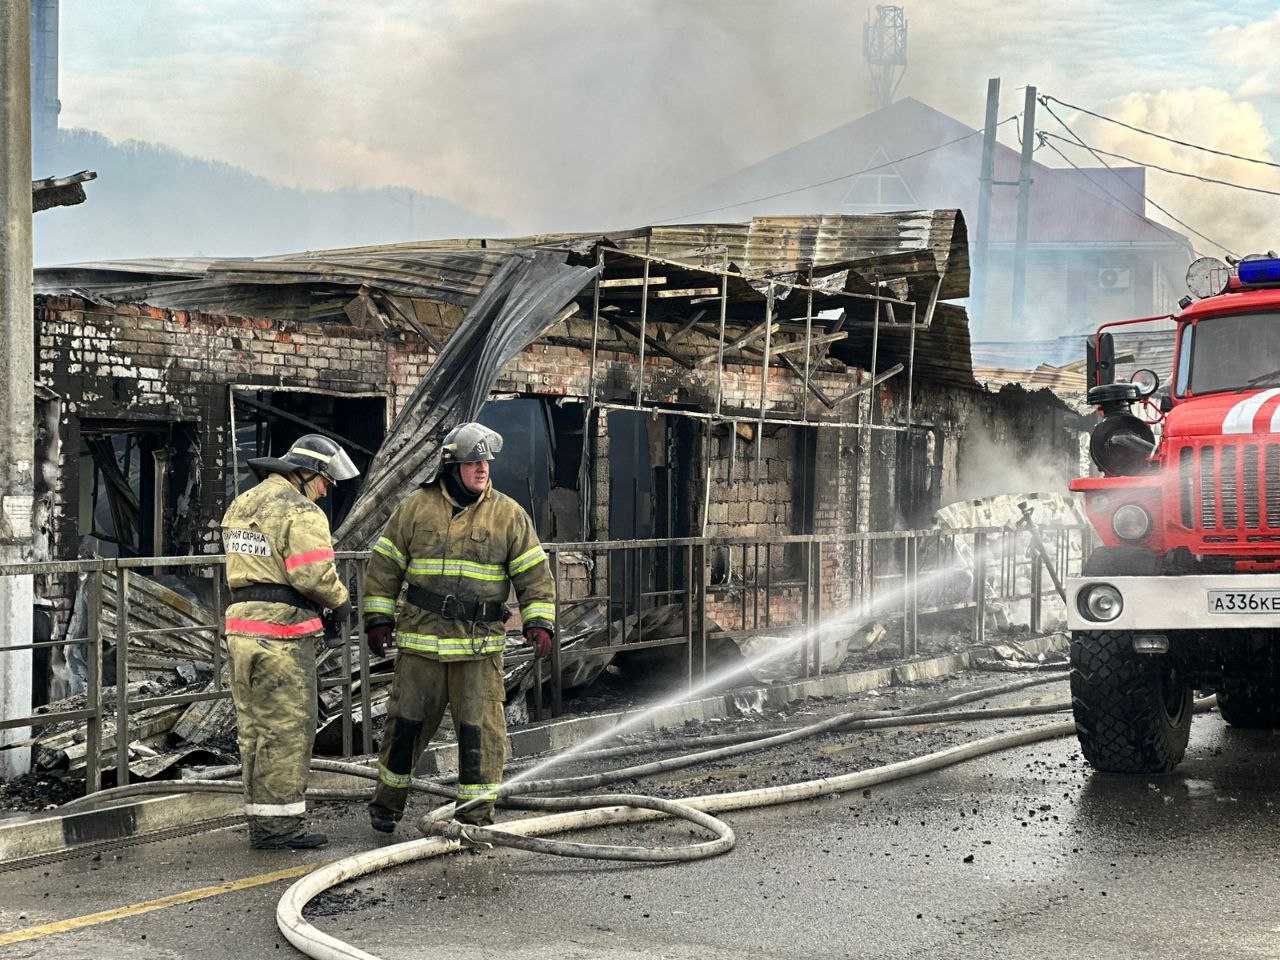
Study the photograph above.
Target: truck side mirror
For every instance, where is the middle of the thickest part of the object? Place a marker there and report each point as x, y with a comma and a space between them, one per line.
1100, 360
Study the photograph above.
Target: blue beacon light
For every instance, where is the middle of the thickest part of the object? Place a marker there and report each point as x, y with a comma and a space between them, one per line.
1259, 271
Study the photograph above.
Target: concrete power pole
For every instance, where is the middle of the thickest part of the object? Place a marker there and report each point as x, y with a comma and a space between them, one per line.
17, 372
1024, 211
982, 231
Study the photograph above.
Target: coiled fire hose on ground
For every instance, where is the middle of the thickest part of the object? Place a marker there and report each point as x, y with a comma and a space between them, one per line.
443, 835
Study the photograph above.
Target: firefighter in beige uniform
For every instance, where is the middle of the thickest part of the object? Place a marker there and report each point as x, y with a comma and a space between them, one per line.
282, 575
460, 545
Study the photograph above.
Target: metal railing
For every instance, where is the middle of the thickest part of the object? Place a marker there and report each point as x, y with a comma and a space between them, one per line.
717, 588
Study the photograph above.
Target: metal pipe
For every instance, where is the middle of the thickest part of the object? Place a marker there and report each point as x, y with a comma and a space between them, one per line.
724, 306
644, 318
808, 346
764, 378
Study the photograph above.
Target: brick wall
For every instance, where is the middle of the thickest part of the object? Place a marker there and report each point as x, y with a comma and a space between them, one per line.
143, 364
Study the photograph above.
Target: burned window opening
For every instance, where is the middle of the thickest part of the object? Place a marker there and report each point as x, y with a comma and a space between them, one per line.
269, 421
539, 464
135, 485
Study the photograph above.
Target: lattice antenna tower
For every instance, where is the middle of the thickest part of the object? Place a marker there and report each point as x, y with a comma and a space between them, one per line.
884, 44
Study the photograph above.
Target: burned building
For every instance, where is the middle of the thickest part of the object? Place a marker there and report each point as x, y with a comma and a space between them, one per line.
786, 376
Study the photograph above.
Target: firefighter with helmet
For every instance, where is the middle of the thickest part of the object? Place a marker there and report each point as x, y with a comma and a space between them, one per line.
285, 594
460, 545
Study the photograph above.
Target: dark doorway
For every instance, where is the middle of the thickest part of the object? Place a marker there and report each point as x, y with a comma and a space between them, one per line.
269, 421
653, 486
540, 461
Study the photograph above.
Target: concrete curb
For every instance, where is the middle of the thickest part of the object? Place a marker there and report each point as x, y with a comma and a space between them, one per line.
52, 834
29, 838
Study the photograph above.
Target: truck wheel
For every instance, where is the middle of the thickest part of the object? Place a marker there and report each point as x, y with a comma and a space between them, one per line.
1250, 705
1132, 711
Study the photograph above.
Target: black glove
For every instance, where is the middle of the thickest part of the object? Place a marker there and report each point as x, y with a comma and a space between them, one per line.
335, 625
379, 637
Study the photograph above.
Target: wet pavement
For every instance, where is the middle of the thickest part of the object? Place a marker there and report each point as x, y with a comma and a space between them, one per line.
1022, 854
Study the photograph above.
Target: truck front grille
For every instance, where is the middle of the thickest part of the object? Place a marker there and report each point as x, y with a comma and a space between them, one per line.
1227, 488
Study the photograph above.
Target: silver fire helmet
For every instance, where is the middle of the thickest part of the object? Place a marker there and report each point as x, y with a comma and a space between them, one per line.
470, 443
311, 452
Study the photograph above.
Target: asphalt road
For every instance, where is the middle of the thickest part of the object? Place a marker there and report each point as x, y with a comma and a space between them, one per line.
1023, 854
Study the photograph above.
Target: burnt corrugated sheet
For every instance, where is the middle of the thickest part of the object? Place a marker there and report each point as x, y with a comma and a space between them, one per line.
771, 244
315, 285
942, 350
520, 301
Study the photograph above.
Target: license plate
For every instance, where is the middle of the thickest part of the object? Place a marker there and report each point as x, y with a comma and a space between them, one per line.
1244, 601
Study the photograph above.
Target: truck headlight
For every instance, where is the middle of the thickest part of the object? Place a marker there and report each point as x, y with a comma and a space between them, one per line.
1131, 522
1100, 602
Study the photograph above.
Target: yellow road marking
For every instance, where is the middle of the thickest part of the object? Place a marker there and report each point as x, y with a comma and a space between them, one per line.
173, 900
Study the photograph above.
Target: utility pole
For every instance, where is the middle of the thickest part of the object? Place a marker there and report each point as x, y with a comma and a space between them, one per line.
982, 232
17, 372
1024, 210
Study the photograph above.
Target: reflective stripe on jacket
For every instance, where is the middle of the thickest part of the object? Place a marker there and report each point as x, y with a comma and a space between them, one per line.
477, 555
273, 534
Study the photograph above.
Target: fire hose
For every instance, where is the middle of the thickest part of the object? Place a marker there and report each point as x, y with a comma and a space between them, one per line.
443, 835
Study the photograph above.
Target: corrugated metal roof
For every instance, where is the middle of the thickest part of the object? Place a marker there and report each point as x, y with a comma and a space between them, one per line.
772, 244
454, 271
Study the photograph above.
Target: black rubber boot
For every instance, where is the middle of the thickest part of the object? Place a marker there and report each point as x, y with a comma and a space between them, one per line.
382, 819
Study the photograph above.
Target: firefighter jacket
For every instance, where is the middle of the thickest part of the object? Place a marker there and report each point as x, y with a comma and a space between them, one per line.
475, 554
272, 534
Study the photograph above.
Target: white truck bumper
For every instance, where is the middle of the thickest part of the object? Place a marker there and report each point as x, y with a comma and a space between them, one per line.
1183, 603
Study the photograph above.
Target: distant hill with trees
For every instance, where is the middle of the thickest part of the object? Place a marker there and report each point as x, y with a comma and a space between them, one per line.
153, 201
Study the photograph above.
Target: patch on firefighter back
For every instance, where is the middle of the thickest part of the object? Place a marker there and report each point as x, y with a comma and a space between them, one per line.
247, 542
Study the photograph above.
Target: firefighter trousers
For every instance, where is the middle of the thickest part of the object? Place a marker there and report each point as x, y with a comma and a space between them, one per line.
420, 690
273, 683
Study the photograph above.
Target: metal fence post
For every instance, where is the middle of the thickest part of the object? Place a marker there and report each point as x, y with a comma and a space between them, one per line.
219, 635
93, 658
557, 706
122, 675
807, 607
348, 679
979, 588
906, 595
366, 689
688, 611
817, 610
1037, 585
915, 595
703, 575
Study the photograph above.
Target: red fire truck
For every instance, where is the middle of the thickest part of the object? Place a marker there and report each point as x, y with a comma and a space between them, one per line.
1184, 592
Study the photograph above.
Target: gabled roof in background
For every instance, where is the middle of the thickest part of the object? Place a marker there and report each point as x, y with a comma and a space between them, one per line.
1067, 206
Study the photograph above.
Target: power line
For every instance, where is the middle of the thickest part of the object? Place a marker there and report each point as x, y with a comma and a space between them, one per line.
1178, 173
1159, 136
1076, 137
823, 183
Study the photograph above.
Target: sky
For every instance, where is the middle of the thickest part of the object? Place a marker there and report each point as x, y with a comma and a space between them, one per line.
593, 114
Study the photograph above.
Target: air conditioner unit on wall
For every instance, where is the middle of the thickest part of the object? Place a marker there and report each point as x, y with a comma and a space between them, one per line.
1114, 278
